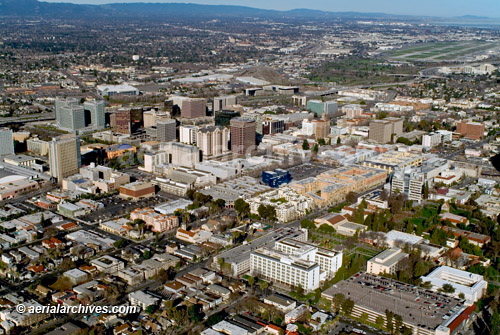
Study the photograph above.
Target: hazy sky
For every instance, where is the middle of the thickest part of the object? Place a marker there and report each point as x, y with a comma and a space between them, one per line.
490, 8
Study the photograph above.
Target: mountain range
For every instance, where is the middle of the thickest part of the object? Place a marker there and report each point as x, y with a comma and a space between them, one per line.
35, 8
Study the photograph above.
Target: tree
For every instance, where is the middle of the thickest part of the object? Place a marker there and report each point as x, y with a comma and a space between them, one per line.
251, 280
339, 141
352, 197
398, 322
120, 243
305, 145
186, 217
315, 147
242, 207
263, 285
151, 309
448, 288
267, 212
426, 190
337, 301
347, 306
359, 213
379, 321
308, 224
388, 316
300, 291
419, 270
327, 228
426, 284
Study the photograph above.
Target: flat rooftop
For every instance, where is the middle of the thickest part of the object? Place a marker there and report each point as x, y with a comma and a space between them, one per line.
417, 306
242, 252
389, 257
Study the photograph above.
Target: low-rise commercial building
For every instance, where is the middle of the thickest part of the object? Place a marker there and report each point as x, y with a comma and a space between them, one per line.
388, 261
137, 190
471, 285
393, 160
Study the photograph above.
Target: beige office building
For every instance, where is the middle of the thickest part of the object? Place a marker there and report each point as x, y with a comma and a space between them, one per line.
322, 129
388, 261
64, 156
386, 130
38, 147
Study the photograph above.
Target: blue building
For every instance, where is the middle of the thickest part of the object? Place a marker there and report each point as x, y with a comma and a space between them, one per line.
276, 178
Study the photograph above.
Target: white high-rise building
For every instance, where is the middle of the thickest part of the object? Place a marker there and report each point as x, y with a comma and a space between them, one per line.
94, 110
431, 140
6, 142
69, 114
188, 134
293, 263
308, 127
446, 135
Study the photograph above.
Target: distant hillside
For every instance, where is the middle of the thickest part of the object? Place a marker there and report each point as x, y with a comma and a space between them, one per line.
40, 9
35, 8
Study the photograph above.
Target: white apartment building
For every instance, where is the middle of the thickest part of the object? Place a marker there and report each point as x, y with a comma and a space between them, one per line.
178, 154
387, 261
409, 182
446, 136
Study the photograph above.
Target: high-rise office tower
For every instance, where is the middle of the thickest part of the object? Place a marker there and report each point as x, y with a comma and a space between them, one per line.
322, 129
242, 135
64, 156
94, 114
386, 130
166, 130
220, 103
6, 142
213, 141
193, 108
121, 122
69, 114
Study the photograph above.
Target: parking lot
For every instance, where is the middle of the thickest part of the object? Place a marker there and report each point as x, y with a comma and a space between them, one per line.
116, 206
307, 170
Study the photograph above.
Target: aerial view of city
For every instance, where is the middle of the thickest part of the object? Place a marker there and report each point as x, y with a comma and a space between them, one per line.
255, 167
